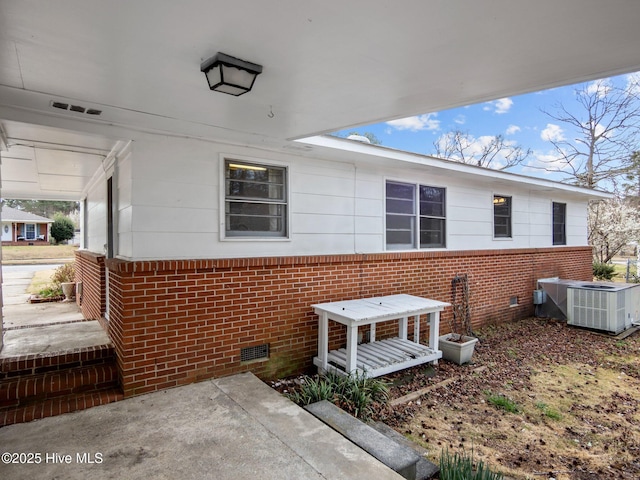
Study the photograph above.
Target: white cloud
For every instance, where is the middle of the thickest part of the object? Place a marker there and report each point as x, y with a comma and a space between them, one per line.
548, 163
460, 120
553, 133
512, 129
599, 87
428, 121
502, 105
599, 130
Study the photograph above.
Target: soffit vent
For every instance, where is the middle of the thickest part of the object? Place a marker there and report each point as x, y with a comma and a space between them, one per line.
258, 352
76, 108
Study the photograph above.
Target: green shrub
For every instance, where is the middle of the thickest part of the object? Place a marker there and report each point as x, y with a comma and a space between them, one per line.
461, 467
354, 393
48, 292
603, 271
62, 228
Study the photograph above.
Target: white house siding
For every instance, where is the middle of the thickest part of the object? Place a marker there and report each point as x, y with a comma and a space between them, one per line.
577, 229
169, 193
540, 228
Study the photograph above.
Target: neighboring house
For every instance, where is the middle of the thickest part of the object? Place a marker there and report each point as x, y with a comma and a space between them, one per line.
24, 228
220, 257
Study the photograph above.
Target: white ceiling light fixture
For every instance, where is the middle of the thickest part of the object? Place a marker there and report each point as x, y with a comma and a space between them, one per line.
230, 75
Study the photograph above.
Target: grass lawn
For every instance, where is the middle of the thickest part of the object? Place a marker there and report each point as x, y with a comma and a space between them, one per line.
552, 401
36, 253
40, 281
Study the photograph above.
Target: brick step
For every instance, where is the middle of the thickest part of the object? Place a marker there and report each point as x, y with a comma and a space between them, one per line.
57, 406
44, 385
25, 389
35, 364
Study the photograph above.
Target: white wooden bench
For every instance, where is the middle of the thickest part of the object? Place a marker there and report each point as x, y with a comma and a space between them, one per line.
378, 358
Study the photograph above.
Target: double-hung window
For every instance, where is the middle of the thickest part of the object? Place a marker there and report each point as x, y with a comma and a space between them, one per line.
255, 200
30, 231
501, 216
415, 216
559, 223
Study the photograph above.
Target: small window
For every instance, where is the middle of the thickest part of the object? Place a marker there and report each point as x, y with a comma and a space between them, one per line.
255, 200
501, 216
415, 215
559, 223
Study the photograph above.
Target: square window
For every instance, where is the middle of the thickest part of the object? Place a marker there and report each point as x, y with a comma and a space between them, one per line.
415, 216
255, 200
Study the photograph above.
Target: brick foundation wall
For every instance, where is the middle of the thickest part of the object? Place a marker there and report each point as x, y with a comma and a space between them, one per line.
24, 243
90, 270
174, 322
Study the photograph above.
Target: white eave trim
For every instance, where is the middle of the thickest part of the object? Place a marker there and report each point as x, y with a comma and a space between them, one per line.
379, 151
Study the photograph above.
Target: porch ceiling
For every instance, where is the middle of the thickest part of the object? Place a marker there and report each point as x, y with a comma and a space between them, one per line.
327, 65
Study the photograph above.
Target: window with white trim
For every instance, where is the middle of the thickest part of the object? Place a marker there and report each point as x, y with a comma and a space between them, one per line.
255, 200
501, 216
559, 223
415, 216
30, 231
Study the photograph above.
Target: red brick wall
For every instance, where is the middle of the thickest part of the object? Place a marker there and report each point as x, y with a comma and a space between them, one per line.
174, 322
90, 270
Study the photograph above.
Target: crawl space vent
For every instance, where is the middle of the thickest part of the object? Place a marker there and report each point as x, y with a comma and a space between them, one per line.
254, 353
76, 108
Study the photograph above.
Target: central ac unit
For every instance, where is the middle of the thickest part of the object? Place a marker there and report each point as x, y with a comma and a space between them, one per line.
608, 307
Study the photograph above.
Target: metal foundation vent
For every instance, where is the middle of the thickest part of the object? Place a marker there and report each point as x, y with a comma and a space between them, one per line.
254, 353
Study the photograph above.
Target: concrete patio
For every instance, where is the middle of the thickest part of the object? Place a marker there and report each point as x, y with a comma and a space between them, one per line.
229, 428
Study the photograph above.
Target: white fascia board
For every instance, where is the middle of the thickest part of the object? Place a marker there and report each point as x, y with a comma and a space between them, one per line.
351, 147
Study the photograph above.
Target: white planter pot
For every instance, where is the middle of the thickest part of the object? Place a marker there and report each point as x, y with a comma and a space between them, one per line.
69, 290
457, 352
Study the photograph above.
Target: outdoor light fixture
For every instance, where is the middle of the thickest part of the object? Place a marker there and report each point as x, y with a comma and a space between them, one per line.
230, 75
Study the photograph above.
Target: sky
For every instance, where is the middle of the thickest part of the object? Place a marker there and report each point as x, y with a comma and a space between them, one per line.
520, 119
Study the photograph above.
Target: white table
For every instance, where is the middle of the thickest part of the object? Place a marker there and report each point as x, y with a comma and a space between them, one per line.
378, 357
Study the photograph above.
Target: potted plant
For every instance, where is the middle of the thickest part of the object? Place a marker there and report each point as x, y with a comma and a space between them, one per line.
65, 277
458, 345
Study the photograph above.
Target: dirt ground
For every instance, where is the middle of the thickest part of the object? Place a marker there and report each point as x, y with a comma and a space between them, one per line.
573, 397
540, 400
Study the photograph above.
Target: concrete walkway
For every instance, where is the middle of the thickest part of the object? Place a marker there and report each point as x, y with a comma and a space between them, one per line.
44, 327
230, 428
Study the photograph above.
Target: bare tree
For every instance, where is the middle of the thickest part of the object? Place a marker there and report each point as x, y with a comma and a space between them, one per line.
486, 151
631, 182
606, 120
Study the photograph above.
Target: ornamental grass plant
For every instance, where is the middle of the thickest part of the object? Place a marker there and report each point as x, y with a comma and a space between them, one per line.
460, 466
